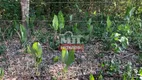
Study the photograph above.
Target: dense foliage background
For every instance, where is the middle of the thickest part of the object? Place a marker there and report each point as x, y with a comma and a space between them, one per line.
78, 12
10, 9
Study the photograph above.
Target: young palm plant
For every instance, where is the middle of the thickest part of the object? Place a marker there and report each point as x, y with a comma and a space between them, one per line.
67, 58
36, 50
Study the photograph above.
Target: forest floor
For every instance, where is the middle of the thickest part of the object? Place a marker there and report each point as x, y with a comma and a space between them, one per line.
19, 65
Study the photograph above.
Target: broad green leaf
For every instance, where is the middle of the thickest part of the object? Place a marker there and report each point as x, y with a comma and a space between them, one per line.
70, 58
124, 40
55, 23
16, 25
91, 77
109, 23
124, 76
67, 57
61, 20
94, 12
23, 33
132, 11
64, 55
89, 21
61, 25
140, 72
37, 49
132, 78
116, 36
129, 12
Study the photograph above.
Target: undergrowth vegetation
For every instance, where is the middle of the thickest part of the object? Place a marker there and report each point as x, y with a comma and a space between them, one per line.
117, 31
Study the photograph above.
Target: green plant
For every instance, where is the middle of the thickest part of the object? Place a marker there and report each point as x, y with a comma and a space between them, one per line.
127, 75
23, 34
55, 23
118, 42
31, 24
67, 58
12, 29
75, 28
53, 43
90, 28
1, 73
117, 38
61, 20
2, 49
100, 77
111, 67
36, 50
139, 73
136, 26
58, 22
55, 59
91, 77
8, 31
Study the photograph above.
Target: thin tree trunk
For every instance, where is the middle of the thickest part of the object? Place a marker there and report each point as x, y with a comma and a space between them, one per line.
25, 5
25, 11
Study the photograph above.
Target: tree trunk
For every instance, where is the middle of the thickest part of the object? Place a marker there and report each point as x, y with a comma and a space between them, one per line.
25, 11
25, 4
